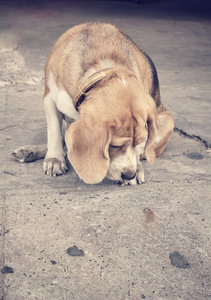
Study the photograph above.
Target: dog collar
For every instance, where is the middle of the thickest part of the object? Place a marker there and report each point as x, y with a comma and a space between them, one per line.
88, 84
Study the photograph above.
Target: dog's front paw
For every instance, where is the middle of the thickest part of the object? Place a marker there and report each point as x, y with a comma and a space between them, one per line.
25, 154
140, 173
140, 177
53, 167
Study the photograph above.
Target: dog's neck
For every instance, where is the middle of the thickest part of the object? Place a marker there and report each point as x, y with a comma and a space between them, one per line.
89, 84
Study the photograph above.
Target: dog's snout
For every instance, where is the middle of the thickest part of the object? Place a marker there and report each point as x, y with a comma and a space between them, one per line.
127, 176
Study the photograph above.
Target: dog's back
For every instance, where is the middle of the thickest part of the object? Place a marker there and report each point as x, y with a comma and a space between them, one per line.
87, 47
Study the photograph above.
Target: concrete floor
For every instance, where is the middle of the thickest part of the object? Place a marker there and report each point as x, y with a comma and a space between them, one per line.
62, 239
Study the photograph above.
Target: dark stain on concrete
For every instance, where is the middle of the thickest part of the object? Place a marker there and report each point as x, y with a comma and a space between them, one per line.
8, 173
195, 155
7, 270
178, 260
149, 215
74, 251
7, 231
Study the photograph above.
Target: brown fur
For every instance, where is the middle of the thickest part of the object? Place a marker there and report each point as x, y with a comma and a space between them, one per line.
120, 111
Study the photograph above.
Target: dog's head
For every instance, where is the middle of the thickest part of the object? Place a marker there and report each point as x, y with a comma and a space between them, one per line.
103, 140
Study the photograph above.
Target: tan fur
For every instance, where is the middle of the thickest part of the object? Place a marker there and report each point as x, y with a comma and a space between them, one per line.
120, 113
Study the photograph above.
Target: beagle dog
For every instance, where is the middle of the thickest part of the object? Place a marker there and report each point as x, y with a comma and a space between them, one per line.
104, 91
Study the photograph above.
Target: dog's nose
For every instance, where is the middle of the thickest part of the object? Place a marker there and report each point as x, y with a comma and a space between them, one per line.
127, 176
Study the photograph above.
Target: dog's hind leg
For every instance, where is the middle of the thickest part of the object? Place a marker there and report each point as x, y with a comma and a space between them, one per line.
30, 153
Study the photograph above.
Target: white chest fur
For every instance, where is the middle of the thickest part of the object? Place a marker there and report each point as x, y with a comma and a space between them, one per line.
62, 99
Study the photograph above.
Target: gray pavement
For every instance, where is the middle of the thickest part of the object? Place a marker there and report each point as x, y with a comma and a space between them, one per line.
62, 239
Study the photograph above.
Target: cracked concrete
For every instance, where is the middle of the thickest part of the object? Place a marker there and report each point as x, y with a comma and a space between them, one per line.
62, 239
195, 137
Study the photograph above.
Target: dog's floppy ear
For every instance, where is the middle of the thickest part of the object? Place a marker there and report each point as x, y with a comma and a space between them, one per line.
152, 123
88, 145
146, 125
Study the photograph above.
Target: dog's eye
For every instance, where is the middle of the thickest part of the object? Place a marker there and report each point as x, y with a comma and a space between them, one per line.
116, 147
